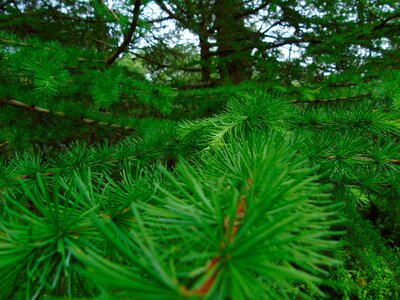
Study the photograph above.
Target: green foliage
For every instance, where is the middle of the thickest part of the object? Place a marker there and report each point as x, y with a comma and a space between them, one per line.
248, 214
105, 88
203, 209
34, 244
248, 112
135, 180
47, 73
389, 89
246, 224
371, 268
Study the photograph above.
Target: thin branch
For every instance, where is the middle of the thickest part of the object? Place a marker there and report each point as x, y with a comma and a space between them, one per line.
340, 84
363, 159
365, 94
159, 20
200, 85
170, 13
291, 41
11, 42
162, 65
24, 177
128, 37
252, 11
102, 42
231, 227
109, 10
264, 32
385, 21
4, 144
34, 108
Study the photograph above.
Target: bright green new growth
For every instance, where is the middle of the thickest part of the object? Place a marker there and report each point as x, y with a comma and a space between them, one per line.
105, 89
114, 185
247, 216
257, 228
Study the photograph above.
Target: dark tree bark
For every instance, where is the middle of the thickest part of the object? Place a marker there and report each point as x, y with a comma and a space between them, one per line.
234, 53
205, 59
127, 37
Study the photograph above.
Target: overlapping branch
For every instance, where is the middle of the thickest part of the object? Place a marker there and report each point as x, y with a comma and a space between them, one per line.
231, 227
362, 159
109, 10
365, 94
37, 109
127, 37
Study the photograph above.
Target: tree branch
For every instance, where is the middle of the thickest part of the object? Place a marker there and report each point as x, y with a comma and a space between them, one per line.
291, 41
109, 10
128, 37
363, 159
34, 108
385, 21
163, 65
252, 11
170, 13
332, 99
213, 267
159, 20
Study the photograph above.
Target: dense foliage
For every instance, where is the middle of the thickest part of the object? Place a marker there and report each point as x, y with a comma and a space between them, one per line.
259, 160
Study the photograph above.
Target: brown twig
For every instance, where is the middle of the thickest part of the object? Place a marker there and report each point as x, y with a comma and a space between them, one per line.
386, 21
128, 37
230, 230
47, 174
363, 159
4, 144
11, 42
102, 42
34, 108
365, 94
109, 10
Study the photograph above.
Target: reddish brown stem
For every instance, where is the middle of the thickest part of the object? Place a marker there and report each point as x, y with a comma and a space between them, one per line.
231, 229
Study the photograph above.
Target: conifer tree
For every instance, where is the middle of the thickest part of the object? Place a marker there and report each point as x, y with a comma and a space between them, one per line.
285, 186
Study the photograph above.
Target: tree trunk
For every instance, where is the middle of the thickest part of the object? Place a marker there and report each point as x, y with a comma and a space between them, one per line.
232, 37
205, 59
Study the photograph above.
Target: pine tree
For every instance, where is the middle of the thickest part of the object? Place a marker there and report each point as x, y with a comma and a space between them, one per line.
113, 186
